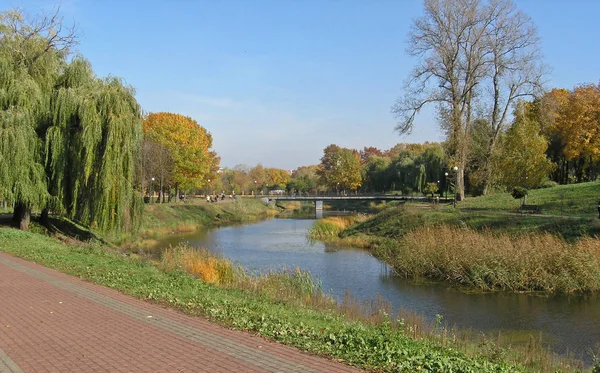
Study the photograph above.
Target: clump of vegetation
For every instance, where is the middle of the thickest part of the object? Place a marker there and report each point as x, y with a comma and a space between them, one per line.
209, 267
518, 192
331, 227
497, 261
214, 269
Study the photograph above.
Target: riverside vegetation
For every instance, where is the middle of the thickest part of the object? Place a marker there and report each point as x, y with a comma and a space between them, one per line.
486, 252
286, 306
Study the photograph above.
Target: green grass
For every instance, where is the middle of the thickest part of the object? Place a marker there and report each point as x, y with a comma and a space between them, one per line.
573, 200
395, 222
159, 220
382, 347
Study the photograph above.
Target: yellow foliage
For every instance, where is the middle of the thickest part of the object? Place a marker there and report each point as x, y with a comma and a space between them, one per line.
189, 144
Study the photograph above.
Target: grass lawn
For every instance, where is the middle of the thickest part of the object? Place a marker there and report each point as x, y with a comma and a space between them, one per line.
573, 200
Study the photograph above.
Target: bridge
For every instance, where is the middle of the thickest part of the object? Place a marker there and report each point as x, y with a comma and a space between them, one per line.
318, 200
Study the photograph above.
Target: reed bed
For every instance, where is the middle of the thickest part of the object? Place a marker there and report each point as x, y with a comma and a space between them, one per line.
331, 227
497, 261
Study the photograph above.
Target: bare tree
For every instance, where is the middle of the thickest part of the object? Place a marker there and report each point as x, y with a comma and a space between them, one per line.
469, 51
156, 168
48, 30
514, 69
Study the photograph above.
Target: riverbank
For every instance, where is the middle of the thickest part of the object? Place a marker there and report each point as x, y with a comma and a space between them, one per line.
160, 219
311, 322
480, 251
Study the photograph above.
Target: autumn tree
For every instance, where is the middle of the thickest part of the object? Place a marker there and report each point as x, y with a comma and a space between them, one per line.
471, 53
576, 125
190, 146
340, 168
368, 152
278, 178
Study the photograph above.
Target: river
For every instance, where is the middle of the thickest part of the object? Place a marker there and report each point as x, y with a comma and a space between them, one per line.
568, 323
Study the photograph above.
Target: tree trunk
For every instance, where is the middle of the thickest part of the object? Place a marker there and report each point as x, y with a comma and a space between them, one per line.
44, 217
21, 216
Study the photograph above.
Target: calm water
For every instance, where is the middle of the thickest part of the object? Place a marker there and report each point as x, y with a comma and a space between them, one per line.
569, 323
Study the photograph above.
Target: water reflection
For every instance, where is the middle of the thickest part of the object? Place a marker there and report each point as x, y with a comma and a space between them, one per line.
571, 323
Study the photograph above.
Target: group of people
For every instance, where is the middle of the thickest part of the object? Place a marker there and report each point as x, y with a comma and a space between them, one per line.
215, 197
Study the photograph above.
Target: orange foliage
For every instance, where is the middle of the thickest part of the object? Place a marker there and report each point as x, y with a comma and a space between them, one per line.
576, 120
189, 144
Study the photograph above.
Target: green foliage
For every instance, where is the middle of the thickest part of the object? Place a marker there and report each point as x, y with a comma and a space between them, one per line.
68, 140
521, 159
431, 188
518, 192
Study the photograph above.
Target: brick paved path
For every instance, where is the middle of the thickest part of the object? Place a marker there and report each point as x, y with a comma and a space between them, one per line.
52, 322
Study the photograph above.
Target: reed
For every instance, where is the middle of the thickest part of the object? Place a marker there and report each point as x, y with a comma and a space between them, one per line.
497, 261
331, 227
283, 285
201, 263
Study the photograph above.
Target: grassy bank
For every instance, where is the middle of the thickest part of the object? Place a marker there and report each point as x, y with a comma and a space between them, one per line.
490, 261
160, 220
300, 317
573, 200
483, 251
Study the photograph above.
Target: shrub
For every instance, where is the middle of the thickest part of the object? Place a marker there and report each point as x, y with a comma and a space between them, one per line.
518, 192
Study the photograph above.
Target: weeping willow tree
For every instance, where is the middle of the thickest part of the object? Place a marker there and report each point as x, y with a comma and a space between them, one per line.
68, 140
90, 149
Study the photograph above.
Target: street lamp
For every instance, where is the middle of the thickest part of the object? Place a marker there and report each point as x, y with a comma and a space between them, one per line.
445, 173
455, 183
152, 188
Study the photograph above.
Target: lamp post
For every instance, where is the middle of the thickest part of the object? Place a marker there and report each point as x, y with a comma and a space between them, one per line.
445, 173
152, 189
455, 183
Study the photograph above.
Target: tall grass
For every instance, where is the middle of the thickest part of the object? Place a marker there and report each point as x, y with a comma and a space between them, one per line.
497, 261
283, 284
202, 264
332, 226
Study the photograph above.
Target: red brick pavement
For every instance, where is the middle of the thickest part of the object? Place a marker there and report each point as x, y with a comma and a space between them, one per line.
52, 322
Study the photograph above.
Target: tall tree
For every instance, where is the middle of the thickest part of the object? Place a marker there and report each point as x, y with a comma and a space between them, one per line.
340, 168
513, 67
68, 140
469, 48
190, 146
448, 41
522, 160
91, 147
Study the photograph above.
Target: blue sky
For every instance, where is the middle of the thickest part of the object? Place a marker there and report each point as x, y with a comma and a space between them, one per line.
275, 82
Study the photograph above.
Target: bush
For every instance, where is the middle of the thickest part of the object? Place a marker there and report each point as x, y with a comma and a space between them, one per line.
518, 192
549, 184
